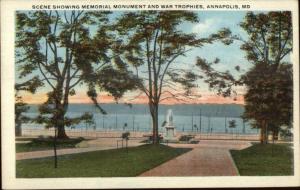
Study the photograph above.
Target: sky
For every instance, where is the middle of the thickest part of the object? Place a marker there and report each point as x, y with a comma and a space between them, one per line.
230, 56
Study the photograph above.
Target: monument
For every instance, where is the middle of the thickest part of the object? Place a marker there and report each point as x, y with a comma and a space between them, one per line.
169, 127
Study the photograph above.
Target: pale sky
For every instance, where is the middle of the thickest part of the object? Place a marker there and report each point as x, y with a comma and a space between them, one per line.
230, 56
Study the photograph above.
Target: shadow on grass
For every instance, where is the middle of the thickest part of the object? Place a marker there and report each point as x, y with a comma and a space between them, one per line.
37, 144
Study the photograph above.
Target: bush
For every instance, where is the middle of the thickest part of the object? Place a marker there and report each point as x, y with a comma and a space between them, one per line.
125, 135
186, 137
43, 143
193, 141
286, 134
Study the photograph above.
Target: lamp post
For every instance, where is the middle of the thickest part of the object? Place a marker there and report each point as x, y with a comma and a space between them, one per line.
200, 122
192, 122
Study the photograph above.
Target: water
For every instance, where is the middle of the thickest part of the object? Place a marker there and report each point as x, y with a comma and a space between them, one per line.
214, 118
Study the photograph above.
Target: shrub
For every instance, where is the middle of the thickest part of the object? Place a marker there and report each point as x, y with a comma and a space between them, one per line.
125, 135
193, 141
186, 137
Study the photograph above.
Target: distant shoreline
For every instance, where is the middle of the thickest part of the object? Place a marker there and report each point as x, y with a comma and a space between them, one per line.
162, 104
211, 110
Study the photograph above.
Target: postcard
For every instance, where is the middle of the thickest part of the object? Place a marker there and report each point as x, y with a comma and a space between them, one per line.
159, 94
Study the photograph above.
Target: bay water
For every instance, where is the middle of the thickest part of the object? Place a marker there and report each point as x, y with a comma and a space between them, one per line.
202, 118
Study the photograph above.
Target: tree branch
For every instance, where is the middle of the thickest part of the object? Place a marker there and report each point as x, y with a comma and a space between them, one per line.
283, 46
287, 52
45, 77
73, 85
149, 70
136, 96
65, 15
166, 68
155, 75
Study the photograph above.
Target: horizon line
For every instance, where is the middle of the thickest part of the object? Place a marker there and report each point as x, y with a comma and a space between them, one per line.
146, 103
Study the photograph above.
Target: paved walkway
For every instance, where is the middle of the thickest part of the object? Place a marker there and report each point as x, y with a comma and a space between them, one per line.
208, 158
93, 145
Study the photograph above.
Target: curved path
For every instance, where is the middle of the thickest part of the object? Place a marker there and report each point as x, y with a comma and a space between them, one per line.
208, 158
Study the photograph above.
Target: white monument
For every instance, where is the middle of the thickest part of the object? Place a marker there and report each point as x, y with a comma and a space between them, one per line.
169, 127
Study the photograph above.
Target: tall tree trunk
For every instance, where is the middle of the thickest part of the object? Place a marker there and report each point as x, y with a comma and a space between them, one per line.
266, 133
60, 123
263, 133
61, 133
18, 130
154, 115
156, 139
261, 136
275, 133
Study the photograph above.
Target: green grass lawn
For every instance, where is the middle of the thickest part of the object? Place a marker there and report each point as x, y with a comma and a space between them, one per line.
264, 160
24, 139
106, 163
45, 144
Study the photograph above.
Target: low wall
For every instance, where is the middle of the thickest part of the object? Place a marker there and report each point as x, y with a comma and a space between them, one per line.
136, 134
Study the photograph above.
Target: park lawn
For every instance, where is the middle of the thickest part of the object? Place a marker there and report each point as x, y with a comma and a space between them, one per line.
264, 160
105, 163
37, 144
24, 138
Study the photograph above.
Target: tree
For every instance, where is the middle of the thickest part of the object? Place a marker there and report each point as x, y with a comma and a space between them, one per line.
270, 37
20, 106
57, 49
268, 46
232, 124
125, 136
269, 100
284, 99
89, 120
150, 43
125, 126
196, 127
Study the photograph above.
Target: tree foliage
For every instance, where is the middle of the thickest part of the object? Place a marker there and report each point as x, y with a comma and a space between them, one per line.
150, 43
268, 98
222, 82
232, 124
57, 50
270, 36
269, 83
20, 106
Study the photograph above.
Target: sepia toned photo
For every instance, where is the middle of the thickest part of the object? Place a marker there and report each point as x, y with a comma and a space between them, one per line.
136, 93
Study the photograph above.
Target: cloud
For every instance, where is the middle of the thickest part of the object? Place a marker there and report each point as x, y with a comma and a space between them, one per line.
207, 26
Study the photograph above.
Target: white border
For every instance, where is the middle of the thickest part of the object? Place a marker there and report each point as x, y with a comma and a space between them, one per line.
8, 8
